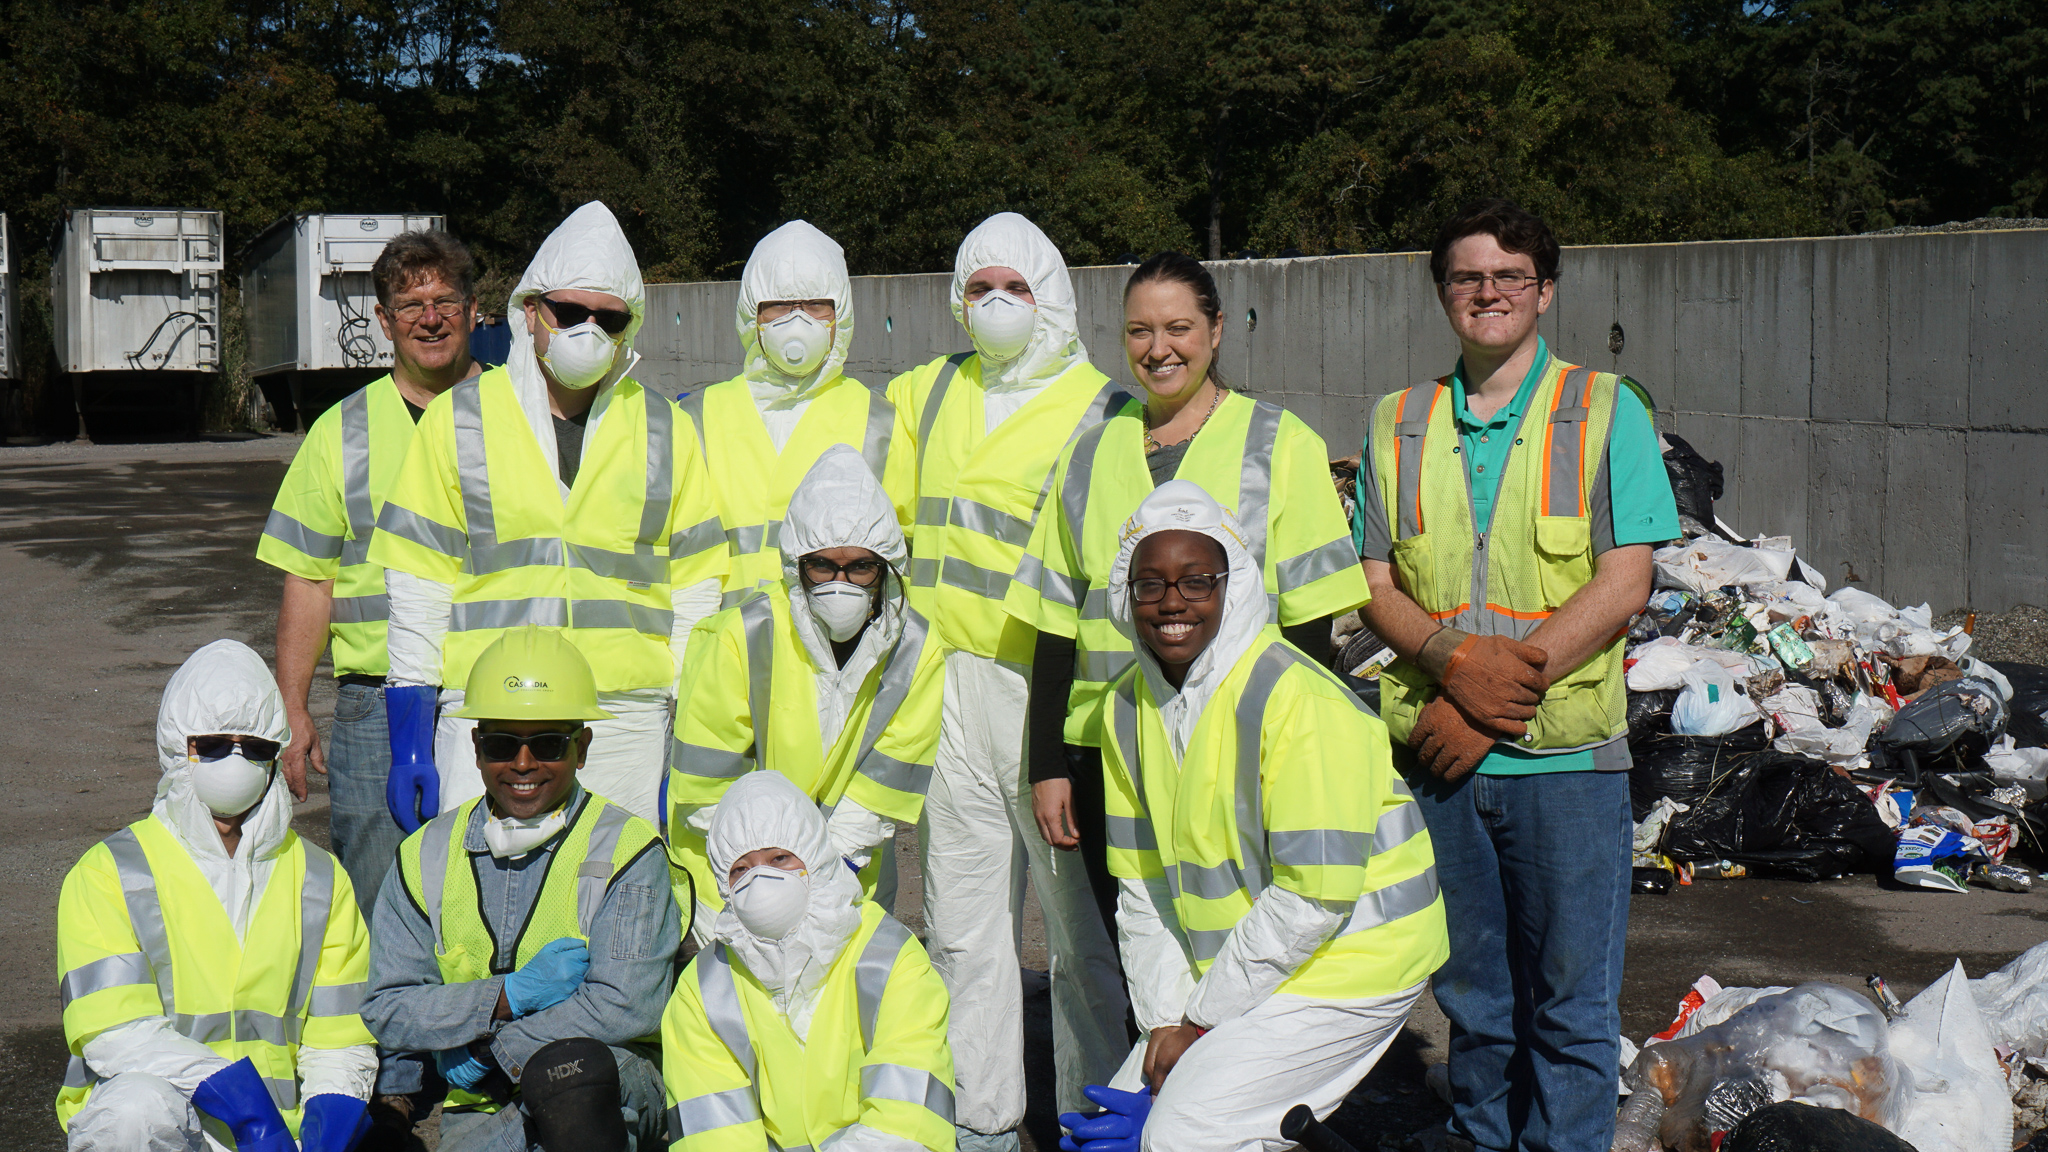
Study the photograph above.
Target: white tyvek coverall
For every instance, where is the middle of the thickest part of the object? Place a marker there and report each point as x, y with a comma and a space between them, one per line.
765, 810
148, 1070
794, 262
588, 252
978, 828
1264, 1053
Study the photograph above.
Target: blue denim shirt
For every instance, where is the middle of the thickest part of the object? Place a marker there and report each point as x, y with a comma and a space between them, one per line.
633, 944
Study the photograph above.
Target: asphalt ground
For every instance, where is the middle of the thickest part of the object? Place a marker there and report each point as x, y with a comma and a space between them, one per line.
116, 561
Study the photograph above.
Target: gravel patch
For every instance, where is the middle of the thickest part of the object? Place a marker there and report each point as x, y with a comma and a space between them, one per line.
2020, 635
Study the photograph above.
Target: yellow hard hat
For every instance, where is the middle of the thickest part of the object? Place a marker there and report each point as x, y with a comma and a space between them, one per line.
531, 673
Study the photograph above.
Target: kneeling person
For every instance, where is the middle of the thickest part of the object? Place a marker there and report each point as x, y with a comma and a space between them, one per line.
815, 1020
522, 956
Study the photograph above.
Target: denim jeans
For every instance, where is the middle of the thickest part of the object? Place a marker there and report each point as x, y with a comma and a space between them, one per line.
1535, 875
358, 765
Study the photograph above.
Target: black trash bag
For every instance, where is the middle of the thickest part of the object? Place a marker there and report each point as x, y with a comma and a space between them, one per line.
1685, 767
1784, 815
1649, 714
1789, 1126
2028, 724
1696, 482
1951, 724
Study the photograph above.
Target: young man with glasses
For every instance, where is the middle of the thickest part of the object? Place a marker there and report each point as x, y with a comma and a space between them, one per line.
319, 535
525, 945
1506, 516
835, 638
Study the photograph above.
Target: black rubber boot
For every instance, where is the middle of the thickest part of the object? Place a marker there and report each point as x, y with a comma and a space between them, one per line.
571, 1088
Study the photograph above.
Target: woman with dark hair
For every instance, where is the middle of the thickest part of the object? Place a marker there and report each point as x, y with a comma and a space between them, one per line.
1254, 456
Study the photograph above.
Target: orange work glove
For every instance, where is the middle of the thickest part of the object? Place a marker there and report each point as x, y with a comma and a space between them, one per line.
1497, 681
1447, 744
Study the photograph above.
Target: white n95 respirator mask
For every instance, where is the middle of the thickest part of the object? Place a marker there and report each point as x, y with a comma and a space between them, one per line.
770, 902
797, 343
232, 784
580, 355
1001, 325
841, 608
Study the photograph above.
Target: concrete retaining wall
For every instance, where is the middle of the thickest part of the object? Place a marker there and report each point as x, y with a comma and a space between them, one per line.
1881, 400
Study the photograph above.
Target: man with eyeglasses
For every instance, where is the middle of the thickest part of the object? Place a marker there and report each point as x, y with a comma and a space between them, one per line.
525, 945
557, 491
319, 535
835, 638
1506, 516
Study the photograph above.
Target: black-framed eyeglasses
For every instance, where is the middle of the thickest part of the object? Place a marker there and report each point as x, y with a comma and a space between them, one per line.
569, 315
1505, 283
447, 308
220, 747
503, 747
819, 570
1194, 587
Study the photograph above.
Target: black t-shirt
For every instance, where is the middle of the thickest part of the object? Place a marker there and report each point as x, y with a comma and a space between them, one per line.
413, 410
569, 443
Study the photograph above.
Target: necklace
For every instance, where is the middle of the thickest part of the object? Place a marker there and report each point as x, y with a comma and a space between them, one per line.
1152, 445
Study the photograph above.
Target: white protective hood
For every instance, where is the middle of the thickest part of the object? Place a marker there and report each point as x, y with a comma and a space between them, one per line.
1182, 505
588, 252
764, 810
223, 687
1007, 240
794, 262
840, 504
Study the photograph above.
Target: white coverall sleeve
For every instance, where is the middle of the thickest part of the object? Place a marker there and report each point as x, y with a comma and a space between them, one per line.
1155, 961
350, 1071
150, 1045
1282, 931
861, 1138
856, 832
691, 606
419, 623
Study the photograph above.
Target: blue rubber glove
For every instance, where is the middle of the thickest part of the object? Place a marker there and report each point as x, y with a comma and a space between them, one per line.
237, 1097
461, 1068
549, 978
1116, 1130
413, 793
333, 1123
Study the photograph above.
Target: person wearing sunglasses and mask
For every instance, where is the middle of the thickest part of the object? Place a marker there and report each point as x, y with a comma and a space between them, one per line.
525, 942
813, 1019
1277, 915
834, 639
762, 430
210, 959
556, 491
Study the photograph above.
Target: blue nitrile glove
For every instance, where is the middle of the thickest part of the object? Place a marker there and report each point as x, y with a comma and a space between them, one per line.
413, 793
549, 978
1116, 1130
333, 1123
461, 1068
237, 1097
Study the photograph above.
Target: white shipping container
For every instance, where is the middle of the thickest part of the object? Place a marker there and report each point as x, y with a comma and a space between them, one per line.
138, 289
307, 295
9, 368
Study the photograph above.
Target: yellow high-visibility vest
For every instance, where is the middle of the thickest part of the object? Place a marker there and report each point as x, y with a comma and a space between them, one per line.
1253, 457
141, 933
979, 493
753, 482
876, 1052
746, 664
326, 510
1287, 780
477, 506
1507, 579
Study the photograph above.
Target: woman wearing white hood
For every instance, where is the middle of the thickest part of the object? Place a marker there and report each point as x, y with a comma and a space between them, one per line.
834, 638
762, 430
1277, 884
814, 1020
210, 959
988, 426
555, 491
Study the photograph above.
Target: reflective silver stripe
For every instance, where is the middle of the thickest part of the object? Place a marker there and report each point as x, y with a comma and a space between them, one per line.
1210, 882
622, 614
924, 571
933, 401
1102, 667
1411, 430
473, 470
355, 476
909, 1085
932, 511
980, 581
1132, 833
713, 1110
693, 407
733, 596
117, 971
694, 539
1052, 585
594, 875
1397, 826
485, 558
641, 566
287, 531
748, 539
145, 912
1317, 847
1205, 943
710, 763
434, 868
316, 900
1123, 723
874, 447
871, 973
336, 999
1255, 476
1316, 563
757, 617
722, 1005
1251, 716
409, 525
661, 468
901, 775
207, 1028
890, 693
1095, 604
283, 1093
470, 615
1386, 905
361, 609
1079, 479
1567, 440
993, 522
79, 1074
278, 1030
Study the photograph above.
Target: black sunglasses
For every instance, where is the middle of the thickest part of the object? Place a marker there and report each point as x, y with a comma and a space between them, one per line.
211, 748
569, 315
503, 747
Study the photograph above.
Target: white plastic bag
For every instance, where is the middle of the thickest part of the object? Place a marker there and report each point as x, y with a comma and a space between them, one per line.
2009, 762
1860, 607
1660, 664
1710, 562
1711, 704
2014, 1002
1845, 747
1959, 1093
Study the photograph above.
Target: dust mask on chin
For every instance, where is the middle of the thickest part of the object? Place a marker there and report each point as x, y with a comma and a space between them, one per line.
1001, 325
579, 356
512, 836
770, 902
841, 608
797, 343
232, 784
